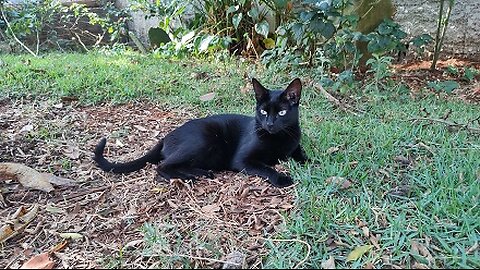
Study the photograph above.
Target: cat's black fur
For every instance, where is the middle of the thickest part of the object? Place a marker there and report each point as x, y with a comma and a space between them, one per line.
228, 142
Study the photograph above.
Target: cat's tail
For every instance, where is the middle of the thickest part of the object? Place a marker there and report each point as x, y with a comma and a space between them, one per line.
152, 156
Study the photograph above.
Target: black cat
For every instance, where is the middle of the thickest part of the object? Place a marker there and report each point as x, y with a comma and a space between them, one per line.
228, 142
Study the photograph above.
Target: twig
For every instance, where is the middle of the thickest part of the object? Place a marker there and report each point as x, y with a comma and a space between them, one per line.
13, 34
80, 41
336, 102
449, 124
93, 190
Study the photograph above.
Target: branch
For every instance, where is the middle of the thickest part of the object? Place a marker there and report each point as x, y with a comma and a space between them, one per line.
450, 125
13, 34
336, 102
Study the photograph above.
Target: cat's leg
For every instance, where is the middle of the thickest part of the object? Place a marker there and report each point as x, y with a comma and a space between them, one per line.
275, 178
299, 155
178, 165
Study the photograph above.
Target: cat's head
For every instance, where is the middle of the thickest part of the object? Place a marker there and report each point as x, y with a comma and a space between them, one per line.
278, 109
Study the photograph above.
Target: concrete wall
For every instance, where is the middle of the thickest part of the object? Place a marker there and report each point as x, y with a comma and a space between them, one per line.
463, 32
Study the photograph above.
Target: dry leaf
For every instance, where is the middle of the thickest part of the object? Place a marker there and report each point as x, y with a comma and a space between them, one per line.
418, 248
26, 128
366, 231
141, 128
54, 210
210, 209
339, 181
358, 252
207, 97
374, 240
72, 152
27, 176
332, 150
59, 246
19, 222
234, 260
328, 264
418, 265
40, 261
369, 266
72, 236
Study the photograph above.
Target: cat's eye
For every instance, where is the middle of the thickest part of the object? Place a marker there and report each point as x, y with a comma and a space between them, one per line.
263, 112
282, 112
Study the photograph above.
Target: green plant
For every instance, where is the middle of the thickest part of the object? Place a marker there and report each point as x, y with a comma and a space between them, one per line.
442, 25
470, 73
443, 86
380, 68
25, 21
42, 24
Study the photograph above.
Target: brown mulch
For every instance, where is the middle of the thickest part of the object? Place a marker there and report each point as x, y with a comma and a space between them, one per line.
128, 221
416, 74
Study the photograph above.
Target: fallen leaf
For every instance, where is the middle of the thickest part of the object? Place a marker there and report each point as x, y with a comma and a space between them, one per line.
369, 266
332, 150
366, 231
358, 252
40, 261
286, 206
59, 246
210, 209
20, 219
207, 97
59, 181
141, 128
418, 248
27, 176
374, 240
27, 128
119, 143
329, 264
234, 260
72, 236
418, 265
72, 152
55, 210
132, 244
339, 181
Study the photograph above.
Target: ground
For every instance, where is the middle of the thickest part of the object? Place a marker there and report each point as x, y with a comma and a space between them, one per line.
230, 213
394, 173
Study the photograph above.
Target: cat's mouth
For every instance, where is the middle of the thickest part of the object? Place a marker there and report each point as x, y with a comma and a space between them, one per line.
270, 129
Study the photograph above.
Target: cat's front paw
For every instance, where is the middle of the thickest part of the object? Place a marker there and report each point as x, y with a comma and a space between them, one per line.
282, 181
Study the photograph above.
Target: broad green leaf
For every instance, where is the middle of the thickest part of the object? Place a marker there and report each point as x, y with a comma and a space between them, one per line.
328, 30
269, 43
358, 252
297, 30
262, 28
205, 43
254, 13
232, 9
236, 19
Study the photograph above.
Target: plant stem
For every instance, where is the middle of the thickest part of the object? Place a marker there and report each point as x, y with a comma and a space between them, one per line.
13, 34
436, 51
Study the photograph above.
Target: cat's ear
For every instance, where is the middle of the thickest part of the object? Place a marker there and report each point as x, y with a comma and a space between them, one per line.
293, 91
261, 93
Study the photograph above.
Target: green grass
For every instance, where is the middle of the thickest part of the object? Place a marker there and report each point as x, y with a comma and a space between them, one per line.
438, 208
